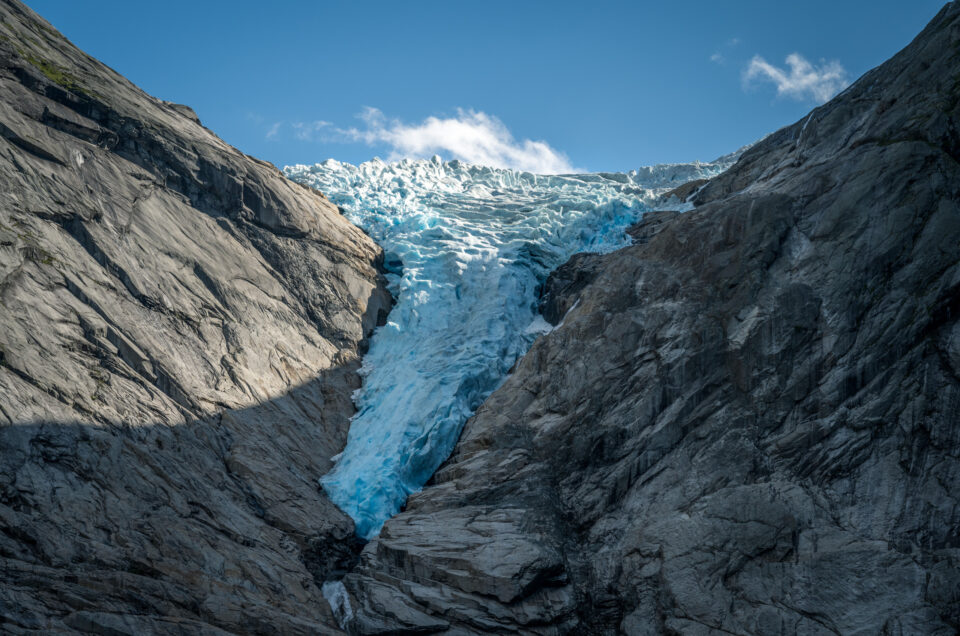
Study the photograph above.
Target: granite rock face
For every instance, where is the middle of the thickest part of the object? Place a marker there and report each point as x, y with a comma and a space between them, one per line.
747, 423
180, 329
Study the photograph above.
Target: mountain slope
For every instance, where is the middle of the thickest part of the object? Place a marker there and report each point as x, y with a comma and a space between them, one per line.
179, 339
748, 421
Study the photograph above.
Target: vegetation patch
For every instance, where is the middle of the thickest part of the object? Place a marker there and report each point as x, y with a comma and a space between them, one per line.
54, 73
31, 249
35, 253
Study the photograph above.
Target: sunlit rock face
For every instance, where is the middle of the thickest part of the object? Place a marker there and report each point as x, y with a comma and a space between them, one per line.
180, 330
467, 248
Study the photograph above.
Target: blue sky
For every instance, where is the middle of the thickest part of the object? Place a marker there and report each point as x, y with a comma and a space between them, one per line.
547, 86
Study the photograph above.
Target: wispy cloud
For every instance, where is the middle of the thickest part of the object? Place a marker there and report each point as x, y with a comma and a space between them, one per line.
802, 80
307, 131
273, 130
718, 56
471, 136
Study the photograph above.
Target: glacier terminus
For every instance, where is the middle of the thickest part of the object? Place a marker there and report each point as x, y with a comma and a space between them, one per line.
467, 248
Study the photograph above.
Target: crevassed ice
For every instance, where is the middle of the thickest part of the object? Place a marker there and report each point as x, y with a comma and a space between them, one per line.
466, 247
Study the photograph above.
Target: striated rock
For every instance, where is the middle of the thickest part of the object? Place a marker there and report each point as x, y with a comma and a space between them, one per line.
685, 191
649, 225
564, 284
747, 422
180, 329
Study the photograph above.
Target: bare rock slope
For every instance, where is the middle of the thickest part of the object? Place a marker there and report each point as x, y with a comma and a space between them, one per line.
180, 329
747, 423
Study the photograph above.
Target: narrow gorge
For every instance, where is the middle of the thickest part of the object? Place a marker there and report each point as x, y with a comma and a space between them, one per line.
426, 396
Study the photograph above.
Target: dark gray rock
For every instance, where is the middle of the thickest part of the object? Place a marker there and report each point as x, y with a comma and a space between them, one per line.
685, 191
564, 284
650, 223
179, 338
749, 421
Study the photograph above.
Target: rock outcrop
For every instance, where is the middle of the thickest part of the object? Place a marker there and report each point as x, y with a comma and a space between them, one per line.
747, 422
180, 329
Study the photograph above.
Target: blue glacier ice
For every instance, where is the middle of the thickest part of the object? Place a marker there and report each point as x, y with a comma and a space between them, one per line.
466, 247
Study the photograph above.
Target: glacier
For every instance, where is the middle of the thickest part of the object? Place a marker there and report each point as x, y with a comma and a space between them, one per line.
466, 249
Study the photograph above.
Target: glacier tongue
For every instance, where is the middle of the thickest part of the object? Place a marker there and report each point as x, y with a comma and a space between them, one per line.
466, 247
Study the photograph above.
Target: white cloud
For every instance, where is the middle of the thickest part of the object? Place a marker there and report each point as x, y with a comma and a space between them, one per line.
803, 80
719, 57
306, 131
273, 130
471, 136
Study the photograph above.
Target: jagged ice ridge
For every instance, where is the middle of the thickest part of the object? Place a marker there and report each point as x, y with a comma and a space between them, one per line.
466, 249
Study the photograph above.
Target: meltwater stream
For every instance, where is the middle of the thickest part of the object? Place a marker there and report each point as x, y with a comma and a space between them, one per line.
466, 247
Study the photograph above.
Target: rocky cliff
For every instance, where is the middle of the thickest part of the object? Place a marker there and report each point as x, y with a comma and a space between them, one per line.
180, 329
746, 423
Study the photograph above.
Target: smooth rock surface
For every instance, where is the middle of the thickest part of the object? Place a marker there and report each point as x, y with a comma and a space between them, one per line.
180, 329
747, 422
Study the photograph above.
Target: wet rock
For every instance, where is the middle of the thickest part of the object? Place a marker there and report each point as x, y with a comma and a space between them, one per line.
562, 288
684, 192
649, 225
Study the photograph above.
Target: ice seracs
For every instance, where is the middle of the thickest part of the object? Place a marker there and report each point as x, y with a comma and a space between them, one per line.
466, 249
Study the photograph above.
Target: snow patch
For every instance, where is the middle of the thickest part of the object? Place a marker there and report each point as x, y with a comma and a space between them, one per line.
339, 600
